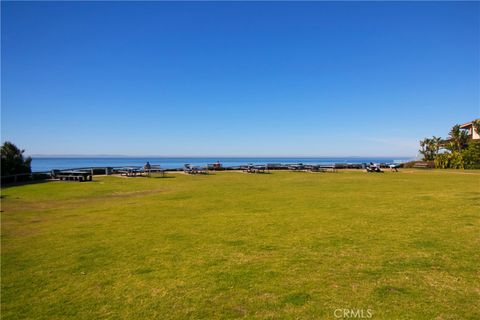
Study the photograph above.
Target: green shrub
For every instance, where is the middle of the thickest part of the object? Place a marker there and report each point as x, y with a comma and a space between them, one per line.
471, 155
456, 160
442, 160
453, 160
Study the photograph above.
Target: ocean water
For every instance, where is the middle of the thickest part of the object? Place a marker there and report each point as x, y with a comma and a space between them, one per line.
40, 164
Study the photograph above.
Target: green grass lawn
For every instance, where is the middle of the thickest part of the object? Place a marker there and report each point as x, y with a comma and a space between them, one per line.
283, 245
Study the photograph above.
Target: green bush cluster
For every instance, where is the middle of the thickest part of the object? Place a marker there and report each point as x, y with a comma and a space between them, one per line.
471, 155
447, 160
468, 158
460, 150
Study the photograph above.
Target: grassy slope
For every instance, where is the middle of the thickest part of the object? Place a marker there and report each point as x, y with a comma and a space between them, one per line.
281, 245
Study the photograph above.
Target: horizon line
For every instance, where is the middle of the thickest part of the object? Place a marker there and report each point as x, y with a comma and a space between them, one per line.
212, 156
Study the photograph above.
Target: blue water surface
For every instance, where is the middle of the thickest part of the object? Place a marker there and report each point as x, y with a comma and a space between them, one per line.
40, 164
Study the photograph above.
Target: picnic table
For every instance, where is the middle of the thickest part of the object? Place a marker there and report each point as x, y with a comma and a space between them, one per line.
214, 166
321, 168
274, 166
394, 166
72, 175
254, 168
296, 167
423, 165
373, 168
194, 169
130, 171
154, 169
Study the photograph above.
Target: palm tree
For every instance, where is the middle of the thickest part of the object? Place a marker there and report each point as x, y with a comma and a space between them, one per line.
458, 139
437, 143
422, 150
427, 149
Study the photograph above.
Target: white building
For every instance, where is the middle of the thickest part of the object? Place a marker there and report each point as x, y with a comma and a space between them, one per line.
474, 134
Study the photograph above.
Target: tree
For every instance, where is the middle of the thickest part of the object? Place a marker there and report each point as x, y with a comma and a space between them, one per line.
423, 148
13, 161
463, 152
429, 148
437, 143
458, 139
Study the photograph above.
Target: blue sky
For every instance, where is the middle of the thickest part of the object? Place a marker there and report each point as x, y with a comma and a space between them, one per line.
237, 78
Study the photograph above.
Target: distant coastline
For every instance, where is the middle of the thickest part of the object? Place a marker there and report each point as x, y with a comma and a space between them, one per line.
47, 163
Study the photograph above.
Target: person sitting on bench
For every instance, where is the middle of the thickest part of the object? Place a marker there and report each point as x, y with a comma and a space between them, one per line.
147, 167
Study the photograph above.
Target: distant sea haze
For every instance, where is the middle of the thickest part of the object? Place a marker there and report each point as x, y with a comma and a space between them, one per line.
40, 164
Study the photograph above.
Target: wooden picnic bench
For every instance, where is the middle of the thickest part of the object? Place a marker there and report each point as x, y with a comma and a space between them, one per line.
422, 165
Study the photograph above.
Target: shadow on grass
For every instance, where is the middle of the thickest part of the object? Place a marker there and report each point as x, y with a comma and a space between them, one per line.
388, 290
149, 177
22, 183
253, 173
160, 177
297, 299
